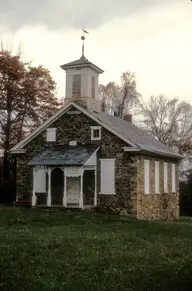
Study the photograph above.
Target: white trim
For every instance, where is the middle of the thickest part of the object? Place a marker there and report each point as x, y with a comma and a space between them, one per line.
87, 162
56, 116
157, 178
102, 193
92, 132
173, 178
146, 177
22, 151
165, 177
103, 159
81, 191
34, 198
65, 190
95, 192
49, 188
131, 149
72, 142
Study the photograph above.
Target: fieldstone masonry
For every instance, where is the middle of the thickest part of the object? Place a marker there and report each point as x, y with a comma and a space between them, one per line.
129, 179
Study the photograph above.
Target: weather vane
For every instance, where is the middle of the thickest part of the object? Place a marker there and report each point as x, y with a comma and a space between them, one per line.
83, 39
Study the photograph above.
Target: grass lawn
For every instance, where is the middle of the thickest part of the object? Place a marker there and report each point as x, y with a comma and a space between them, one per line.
41, 250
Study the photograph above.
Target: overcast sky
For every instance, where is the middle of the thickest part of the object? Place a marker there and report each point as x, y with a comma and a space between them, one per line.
152, 38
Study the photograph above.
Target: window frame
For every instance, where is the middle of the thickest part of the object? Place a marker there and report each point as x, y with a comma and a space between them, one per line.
74, 91
92, 132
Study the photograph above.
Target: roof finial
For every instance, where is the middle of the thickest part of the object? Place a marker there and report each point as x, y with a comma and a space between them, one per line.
83, 46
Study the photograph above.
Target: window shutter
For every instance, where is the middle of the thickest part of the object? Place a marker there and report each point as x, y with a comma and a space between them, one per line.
40, 181
107, 176
51, 134
165, 178
76, 85
173, 178
146, 176
93, 87
156, 177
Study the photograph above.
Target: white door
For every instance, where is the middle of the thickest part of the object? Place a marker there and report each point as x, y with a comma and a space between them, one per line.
73, 190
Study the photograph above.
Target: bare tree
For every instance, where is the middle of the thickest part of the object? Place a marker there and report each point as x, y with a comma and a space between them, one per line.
120, 98
170, 121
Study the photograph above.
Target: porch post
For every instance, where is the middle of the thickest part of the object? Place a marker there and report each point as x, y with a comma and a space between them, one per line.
81, 192
65, 190
95, 193
34, 198
49, 188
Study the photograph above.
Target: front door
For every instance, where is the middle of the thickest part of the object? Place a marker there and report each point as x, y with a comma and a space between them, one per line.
73, 190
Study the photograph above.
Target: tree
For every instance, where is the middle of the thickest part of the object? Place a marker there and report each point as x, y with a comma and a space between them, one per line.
27, 98
170, 121
120, 98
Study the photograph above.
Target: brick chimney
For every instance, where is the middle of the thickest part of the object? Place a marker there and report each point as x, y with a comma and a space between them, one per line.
127, 117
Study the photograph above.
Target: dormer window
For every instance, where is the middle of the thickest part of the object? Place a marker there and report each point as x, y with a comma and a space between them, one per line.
95, 132
76, 85
51, 134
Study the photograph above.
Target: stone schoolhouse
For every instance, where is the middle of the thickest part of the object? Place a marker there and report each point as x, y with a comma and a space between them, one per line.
83, 158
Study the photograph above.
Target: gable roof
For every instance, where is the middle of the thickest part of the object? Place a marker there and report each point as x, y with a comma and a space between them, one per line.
139, 137
82, 63
126, 131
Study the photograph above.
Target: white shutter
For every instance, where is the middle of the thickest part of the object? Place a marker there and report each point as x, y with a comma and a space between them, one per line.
40, 181
156, 177
146, 176
173, 178
51, 134
165, 178
107, 176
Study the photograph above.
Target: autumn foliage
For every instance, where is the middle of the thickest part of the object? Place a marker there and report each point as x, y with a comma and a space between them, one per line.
27, 98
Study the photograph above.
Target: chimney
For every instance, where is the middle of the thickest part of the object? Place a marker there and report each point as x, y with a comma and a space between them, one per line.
127, 117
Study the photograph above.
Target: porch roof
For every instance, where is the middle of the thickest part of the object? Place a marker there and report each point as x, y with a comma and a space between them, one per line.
64, 155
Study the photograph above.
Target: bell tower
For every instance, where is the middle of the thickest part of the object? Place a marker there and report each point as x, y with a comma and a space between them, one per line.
82, 81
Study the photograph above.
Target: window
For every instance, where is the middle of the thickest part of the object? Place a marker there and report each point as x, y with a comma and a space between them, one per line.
156, 177
76, 85
93, 87
107, 182
146, 176
173, 178
165, 178
51, 134
95, 132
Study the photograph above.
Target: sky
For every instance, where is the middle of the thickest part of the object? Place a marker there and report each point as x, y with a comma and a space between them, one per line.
152, 38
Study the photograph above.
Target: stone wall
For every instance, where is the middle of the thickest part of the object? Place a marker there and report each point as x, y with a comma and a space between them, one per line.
77, 127
157, 206
129, 171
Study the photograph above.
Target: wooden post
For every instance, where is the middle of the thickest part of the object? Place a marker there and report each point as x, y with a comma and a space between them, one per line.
34, 198
65, 190
49, 188
81, 192
95, 193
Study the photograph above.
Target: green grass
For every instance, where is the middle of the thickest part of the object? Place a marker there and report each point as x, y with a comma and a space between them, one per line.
41, 250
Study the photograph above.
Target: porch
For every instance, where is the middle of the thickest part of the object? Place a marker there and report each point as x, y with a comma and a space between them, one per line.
65, 176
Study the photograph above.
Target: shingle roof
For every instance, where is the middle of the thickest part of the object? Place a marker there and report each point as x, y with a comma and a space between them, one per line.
136, 135
64, 155
82, 63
